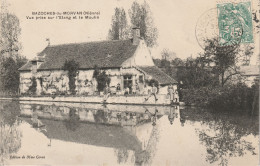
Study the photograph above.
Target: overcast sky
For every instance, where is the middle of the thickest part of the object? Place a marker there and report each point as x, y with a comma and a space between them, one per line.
175, 19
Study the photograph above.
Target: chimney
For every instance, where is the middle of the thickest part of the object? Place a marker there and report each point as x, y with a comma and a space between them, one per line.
34, 66
136, 35
49, 42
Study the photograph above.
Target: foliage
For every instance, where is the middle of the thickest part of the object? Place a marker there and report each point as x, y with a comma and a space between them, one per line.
119, 29
141, 16
10, 59
102, 79
10, 32
96, 72
228, 98
72, 67
10, 77
195, 74
235, 97
33, 87
177, 62
198, 96
224, 60
192, 73
168, 55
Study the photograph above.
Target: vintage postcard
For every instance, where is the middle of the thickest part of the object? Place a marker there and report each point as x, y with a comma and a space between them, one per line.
129, 82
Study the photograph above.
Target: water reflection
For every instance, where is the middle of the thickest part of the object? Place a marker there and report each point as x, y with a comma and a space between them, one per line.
99, 125
137, 135
10, 135
224, 136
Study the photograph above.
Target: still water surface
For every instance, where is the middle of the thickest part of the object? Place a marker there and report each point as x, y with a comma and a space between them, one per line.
88, 134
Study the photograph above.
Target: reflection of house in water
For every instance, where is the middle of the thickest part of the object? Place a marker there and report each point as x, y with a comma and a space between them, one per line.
113, 126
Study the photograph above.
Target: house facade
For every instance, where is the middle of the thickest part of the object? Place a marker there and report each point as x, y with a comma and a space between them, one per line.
128, 63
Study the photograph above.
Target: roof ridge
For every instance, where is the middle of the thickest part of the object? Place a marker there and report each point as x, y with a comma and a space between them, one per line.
101, 41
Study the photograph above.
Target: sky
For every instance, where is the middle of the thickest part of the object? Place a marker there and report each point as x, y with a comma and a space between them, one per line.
175, 19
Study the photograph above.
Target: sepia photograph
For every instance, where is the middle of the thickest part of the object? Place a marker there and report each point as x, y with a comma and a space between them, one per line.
129, 82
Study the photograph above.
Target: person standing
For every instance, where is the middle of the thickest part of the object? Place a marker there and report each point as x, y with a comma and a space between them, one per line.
154, 91
176, 96
118, 89
170, 92
106, 93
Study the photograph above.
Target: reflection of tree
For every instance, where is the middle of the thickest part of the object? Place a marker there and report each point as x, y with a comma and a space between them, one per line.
10, 112
100, 116
10, 136
145, 157
226, 142
72, 123
122, 155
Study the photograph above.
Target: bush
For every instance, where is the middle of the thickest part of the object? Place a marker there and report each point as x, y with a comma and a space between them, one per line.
33, 87
102, 79
72, 67
234, 97
199, 96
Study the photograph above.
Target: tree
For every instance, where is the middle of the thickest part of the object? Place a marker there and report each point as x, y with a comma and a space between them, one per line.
10, 59
72, 67
141, 16
224, 59
119, 29
168, 55
10, 32
177, 62
33, 87
102, 78
195, 74
9, 75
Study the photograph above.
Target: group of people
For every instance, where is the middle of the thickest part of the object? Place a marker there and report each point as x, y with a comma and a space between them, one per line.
172, 92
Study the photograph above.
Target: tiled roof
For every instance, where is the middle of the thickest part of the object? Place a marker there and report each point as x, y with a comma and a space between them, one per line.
252, 70
26, 67
104, 54
158, 74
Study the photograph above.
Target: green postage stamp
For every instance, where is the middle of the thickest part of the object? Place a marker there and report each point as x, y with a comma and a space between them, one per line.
235, 23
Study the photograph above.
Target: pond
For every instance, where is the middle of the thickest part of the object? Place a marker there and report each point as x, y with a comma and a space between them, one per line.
56, 133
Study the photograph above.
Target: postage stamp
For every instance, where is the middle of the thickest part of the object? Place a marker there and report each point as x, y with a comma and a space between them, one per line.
207, 30
231, 18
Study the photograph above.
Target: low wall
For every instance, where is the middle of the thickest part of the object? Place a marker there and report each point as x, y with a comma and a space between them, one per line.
138, 100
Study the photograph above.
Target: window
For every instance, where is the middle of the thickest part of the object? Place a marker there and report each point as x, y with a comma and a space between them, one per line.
141, 79
127, 81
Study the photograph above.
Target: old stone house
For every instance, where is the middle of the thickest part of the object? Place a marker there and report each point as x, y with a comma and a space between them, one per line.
127, 62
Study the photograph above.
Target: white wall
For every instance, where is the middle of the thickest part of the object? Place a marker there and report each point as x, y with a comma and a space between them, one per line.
142, 57
25, 81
